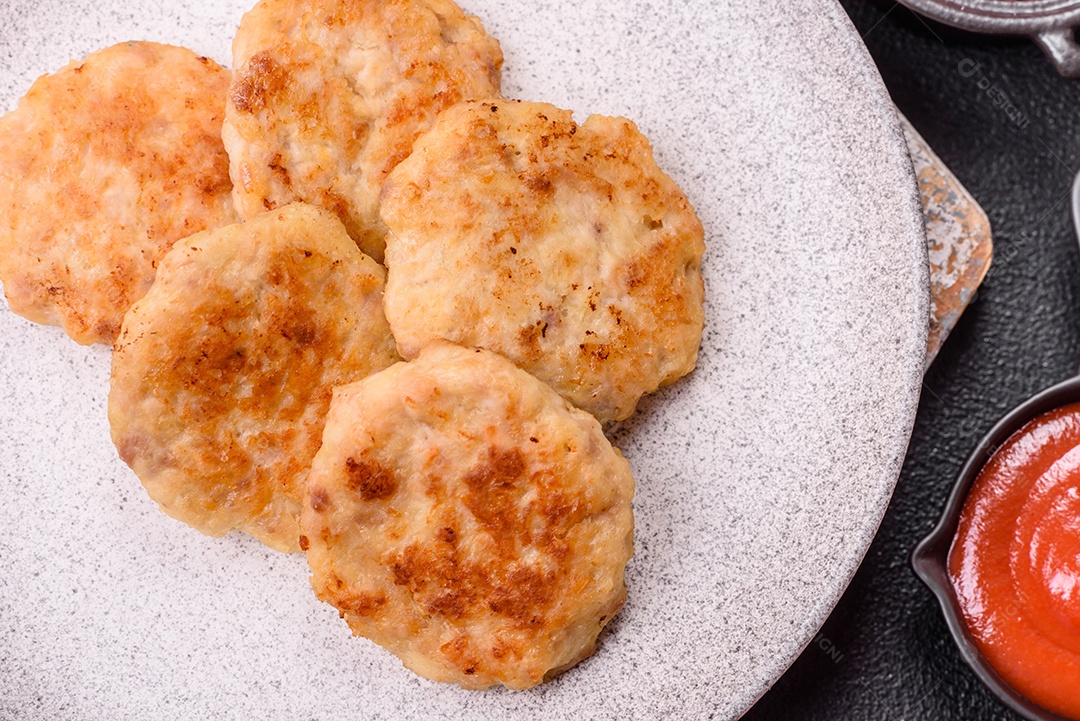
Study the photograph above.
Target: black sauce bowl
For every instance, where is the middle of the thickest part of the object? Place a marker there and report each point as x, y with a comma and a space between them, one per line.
930, 558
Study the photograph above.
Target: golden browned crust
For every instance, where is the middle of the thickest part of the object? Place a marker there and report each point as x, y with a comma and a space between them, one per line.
103, 166
329, 95
462, 515
223, 372
561, 246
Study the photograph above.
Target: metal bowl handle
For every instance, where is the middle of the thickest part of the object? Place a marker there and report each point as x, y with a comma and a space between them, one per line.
1061, 47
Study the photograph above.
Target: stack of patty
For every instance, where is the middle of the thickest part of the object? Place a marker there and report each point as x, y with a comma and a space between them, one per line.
461, 507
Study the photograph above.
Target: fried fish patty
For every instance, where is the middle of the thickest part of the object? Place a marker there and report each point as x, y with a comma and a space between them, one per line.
561, 246
103, 166
329, 95
223, 372
465, 517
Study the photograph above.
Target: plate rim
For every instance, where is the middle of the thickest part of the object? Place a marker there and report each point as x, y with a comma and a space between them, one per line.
865, 67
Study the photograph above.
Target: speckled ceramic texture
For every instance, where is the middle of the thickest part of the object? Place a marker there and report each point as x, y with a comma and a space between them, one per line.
761, 478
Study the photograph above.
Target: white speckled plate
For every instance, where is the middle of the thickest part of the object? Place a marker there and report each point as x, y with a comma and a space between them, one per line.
761, 478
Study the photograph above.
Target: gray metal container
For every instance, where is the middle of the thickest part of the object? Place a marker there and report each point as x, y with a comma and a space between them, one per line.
1050, 23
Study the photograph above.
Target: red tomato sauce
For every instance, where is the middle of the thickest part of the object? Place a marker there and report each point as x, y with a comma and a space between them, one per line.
1015, 561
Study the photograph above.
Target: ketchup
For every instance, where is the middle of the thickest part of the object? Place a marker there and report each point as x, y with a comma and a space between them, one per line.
1015, 561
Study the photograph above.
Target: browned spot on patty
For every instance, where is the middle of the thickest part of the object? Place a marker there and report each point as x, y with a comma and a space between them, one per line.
257, 83
539, 184
362, 604
370, 479
594, 352
320, 500
459, 652
277, 166
521, 595
529, 337
438, 580
492, 494
445, 583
